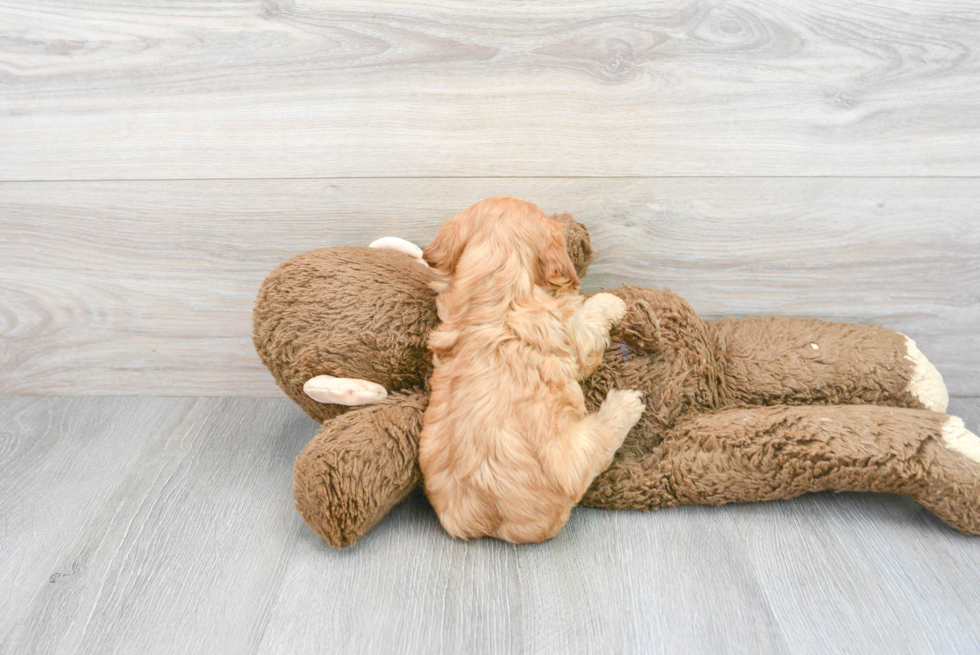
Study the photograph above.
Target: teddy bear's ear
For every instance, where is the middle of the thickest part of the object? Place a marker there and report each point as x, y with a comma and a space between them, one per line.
555, 268
576, 241
343, 391
445, 250
399, 245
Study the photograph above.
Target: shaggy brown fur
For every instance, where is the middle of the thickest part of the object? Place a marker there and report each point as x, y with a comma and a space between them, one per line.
355, 312
737, 411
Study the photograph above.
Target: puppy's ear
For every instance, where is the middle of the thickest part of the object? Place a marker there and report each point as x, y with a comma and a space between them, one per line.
555, 267
445, 250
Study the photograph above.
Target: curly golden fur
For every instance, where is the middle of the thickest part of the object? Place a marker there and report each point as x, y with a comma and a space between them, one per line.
507, 448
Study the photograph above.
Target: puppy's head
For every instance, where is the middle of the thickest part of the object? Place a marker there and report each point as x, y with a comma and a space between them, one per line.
500, 230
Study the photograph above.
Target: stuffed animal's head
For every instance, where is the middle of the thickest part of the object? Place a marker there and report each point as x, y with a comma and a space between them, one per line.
361, 315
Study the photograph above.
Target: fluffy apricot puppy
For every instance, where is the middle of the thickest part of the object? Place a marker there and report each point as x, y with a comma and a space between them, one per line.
507, 448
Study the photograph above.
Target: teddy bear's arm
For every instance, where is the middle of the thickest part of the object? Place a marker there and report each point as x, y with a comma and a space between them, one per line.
358, 466
796, 361
751, 454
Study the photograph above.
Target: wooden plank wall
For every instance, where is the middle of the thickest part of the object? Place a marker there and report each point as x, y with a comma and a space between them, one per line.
813, 158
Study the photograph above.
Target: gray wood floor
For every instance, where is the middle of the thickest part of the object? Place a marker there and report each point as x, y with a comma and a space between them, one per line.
165, 525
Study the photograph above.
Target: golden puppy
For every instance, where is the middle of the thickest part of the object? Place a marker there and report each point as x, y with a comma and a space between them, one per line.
507, 448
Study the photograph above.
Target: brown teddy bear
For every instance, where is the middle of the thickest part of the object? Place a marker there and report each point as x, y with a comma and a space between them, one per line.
737, 410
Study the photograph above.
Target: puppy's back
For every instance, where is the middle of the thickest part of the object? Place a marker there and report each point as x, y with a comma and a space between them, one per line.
490, 415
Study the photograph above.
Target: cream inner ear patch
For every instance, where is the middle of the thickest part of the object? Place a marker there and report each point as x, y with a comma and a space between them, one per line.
343, 391
927, 383
399, 245
958, 438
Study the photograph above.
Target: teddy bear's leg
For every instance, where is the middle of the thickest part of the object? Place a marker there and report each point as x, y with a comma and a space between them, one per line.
358, 466
749, 454
796, 361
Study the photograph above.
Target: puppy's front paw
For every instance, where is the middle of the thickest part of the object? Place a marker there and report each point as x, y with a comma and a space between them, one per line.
610, 307
625, 405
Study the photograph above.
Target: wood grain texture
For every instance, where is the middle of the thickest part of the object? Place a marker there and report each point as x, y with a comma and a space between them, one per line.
120, 89
49, 449
165, 551
166, 526
147, 287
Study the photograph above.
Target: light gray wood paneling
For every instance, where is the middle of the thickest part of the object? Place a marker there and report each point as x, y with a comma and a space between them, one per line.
101, 89
147, 287
166, 526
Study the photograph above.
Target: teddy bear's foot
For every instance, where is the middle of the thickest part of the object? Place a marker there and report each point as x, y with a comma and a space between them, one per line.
957, 438
400, 245
927, 383
951, 485
344, 391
